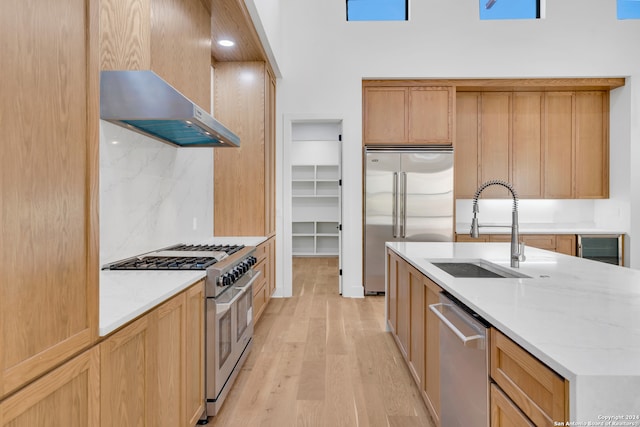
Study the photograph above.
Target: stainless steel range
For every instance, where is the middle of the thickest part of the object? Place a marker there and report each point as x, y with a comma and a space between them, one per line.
229, 305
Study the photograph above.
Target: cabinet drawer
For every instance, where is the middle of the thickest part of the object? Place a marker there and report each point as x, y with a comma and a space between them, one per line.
538, 391
504, 413
260, 298
541, 241
261, 252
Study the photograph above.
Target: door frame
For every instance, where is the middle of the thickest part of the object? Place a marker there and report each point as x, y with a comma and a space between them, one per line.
287, 246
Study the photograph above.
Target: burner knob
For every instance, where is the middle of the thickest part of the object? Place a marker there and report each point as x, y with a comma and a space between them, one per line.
226, 280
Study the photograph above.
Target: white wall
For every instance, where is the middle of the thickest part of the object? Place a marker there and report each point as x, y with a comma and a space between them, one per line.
151, 193
323, 60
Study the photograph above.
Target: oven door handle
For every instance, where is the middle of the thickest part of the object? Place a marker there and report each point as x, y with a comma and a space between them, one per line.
256, 274
222, 307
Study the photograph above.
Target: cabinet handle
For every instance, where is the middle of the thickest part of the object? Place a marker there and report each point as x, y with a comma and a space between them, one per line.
395, 204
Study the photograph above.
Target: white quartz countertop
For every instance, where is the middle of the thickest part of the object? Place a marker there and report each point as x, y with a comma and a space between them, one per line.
580, 317
537, 228
124, 295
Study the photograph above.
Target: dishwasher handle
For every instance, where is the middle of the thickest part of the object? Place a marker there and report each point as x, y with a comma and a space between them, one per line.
465, 339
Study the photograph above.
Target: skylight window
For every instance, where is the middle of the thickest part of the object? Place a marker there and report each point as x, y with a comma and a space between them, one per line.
628, 9
377, 10
509, 9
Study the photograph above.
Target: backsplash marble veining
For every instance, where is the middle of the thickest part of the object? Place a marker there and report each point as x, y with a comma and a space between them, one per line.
152, 194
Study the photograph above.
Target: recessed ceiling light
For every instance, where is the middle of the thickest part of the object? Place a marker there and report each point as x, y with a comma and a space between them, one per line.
226, 43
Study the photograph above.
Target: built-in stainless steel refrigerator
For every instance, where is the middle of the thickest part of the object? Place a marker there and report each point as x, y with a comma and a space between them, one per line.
408, 197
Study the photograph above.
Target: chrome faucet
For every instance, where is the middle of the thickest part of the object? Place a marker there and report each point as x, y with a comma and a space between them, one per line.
517, 248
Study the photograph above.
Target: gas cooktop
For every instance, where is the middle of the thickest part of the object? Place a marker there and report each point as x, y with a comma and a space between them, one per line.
178, 257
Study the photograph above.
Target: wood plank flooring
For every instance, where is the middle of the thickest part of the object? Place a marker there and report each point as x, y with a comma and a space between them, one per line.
322, 360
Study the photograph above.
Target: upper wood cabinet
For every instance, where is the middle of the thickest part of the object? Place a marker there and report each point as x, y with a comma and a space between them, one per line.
495, 134
527, 165
407, 115
244, 177
547, 144
466, 144
49, 116
170, 37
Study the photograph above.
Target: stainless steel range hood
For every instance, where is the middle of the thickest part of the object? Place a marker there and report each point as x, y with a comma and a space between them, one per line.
141, 101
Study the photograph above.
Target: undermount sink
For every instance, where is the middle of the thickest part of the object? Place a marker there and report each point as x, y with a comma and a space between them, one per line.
476, 269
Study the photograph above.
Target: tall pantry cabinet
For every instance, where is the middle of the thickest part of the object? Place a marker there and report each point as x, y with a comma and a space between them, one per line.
49, 116
244, 177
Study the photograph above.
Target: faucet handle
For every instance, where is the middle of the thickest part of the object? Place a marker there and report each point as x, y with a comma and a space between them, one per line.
521, 256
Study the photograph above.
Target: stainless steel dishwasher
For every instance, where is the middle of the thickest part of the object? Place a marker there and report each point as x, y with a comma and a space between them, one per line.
464, 365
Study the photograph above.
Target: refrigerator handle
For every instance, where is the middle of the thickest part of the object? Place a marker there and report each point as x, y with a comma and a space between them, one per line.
395, 205
403, 206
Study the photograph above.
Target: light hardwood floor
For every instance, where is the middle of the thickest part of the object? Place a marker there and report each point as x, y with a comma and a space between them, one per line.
322, 360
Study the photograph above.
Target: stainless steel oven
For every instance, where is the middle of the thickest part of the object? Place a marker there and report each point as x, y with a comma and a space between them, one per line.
229, 326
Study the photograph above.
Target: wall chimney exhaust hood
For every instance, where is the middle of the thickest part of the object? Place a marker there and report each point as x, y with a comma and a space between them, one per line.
142, 102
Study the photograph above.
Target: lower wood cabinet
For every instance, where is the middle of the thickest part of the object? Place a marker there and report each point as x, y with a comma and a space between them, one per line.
414, 327
561, 243
540, 393
504, 412
149, 373
265, 286
67, 396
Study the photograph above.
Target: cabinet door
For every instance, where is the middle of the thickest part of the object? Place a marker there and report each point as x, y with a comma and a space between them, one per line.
466, 144
566, 244
526, 144
494, 141
168, 361
504, 413
392, 291
430, 115
404, 307
195, 341
558, 145
385, 118
431, 388
66, 396
270, 156
48, 186
125, 370
541, 241
416, 325
592, 145
239, 173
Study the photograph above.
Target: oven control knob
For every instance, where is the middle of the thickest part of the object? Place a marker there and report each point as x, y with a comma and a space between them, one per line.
252, 260
226, 280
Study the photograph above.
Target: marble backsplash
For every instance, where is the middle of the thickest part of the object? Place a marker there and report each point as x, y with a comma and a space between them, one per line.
152, 195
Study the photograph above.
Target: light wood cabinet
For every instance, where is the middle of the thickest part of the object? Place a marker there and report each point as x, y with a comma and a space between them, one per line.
592, 145
417, 306
152, 370
66, 396
547, 144
125, 372
265, 286
393, 262
526, 144
558, 145
169, 37
495, 137
244, 177
194, 349
504, 413
49, 116
562, 243
414, 327
407, 115
431, 385
540, 393
466, 144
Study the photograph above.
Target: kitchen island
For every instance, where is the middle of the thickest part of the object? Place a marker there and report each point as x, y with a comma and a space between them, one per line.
579, 317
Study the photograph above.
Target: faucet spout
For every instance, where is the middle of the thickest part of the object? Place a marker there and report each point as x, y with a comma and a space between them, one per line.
517, 249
